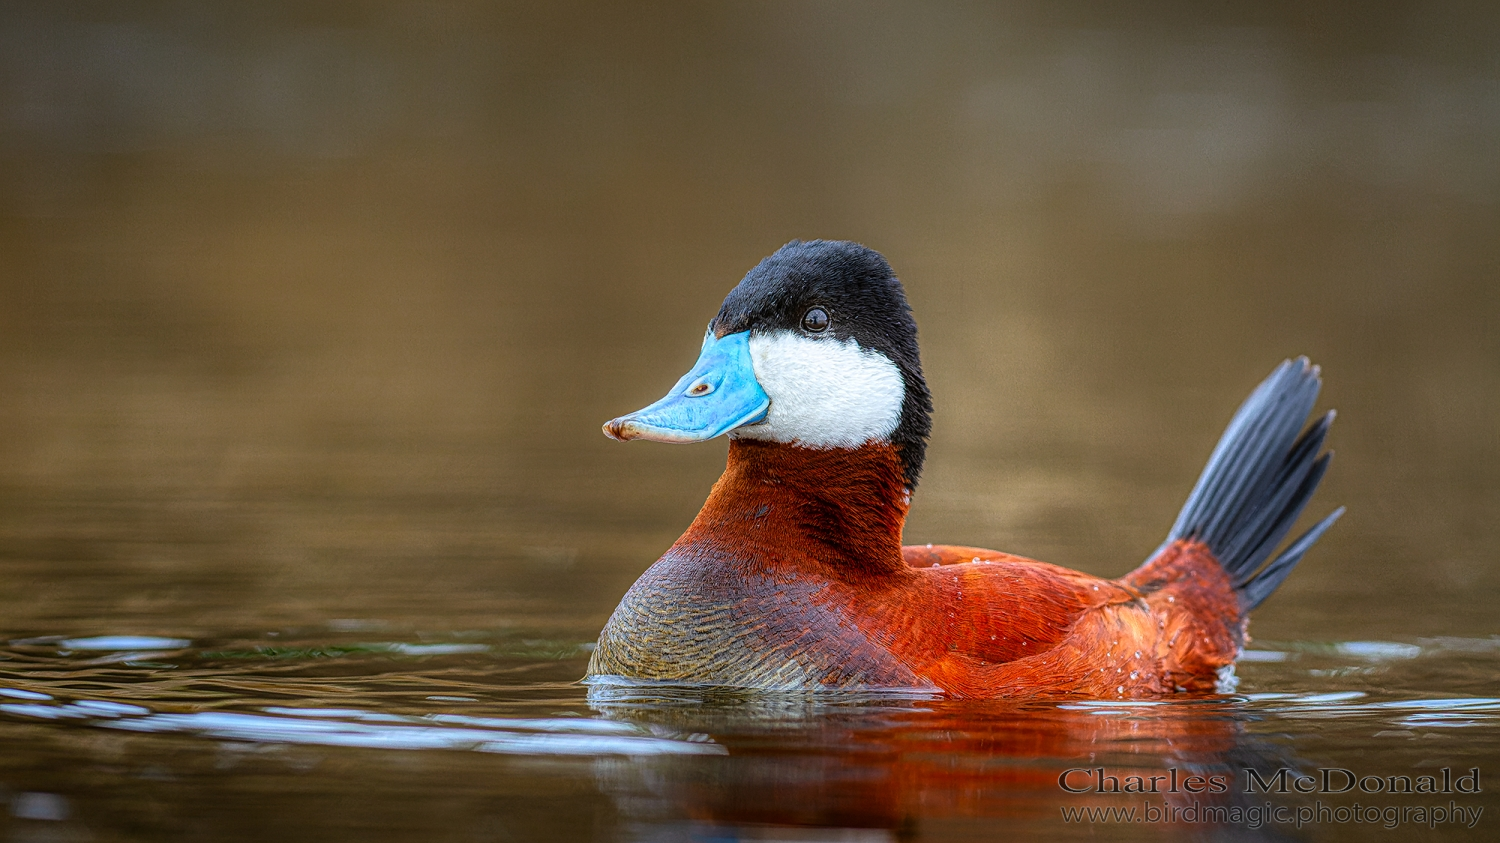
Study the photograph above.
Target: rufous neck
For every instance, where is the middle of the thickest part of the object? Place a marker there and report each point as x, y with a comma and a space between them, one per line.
840, 508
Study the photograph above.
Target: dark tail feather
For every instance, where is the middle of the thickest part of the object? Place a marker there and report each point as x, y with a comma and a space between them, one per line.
1259, 479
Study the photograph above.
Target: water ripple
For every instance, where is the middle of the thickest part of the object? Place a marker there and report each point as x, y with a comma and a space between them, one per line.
358, 728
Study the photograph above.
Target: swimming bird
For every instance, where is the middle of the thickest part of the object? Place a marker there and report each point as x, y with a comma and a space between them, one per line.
793, 575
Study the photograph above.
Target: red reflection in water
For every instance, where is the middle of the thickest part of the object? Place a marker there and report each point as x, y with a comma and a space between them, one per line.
886, 766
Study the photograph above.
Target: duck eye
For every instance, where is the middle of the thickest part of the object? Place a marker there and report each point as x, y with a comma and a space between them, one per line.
815, 320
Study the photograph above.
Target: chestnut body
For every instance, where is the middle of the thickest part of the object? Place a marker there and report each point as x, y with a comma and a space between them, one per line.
760, 593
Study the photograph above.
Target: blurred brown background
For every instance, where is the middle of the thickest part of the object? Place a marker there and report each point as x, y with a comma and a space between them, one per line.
313, 310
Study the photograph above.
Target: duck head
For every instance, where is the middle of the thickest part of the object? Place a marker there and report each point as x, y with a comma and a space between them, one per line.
815, 348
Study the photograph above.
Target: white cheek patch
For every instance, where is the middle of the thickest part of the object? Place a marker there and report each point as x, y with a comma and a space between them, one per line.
825, 393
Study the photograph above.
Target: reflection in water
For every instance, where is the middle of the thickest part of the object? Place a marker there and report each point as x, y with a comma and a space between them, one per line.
874, 762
